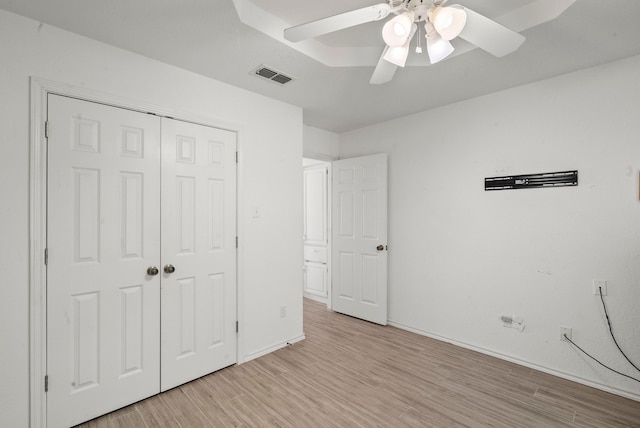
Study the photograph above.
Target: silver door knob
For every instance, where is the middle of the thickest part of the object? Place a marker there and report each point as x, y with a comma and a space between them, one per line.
169, 269
380, 247
152, 270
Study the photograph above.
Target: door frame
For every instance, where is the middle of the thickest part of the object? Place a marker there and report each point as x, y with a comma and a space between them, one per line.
39, 90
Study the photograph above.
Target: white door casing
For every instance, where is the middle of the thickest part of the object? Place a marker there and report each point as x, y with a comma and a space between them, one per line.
103, 317
359, 238
199, 241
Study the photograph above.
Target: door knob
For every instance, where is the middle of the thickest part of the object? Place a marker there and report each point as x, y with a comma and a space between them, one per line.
169, 269
380, 247
152, 270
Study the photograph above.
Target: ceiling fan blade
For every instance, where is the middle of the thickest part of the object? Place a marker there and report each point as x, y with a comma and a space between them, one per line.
488, 35
337, 22
535, 13
384, 71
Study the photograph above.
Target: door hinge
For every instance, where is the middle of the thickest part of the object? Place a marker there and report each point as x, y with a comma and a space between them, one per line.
236, 242
46, 129
236, 157
237, 326
46, 383
46, 256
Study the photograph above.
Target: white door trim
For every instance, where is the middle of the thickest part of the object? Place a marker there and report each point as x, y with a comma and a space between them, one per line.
39, 89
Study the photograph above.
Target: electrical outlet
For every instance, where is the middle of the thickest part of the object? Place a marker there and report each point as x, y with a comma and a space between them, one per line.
599, 284
565, 331
507, 321
283, 311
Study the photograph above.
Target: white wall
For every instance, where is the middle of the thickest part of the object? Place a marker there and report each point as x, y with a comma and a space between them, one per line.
269, 175
459, 257
320, 144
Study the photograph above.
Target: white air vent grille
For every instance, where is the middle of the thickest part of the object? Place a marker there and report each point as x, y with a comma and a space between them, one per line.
271, 74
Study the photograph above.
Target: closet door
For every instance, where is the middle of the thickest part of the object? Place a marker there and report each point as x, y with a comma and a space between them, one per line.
103, 222
198, 251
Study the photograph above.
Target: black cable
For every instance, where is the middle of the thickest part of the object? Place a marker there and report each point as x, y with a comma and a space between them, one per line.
611, 331
594, 359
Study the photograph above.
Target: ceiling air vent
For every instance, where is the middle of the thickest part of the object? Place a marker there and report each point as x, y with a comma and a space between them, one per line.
271, 74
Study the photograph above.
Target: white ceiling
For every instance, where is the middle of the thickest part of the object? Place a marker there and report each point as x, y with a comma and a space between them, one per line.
210, 38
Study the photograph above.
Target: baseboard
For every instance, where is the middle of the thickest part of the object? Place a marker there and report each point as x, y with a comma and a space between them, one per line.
270, 349
315, 298
621, 392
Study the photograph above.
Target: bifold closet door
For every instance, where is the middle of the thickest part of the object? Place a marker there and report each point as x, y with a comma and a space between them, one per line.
141, 272
103, 305
198, 251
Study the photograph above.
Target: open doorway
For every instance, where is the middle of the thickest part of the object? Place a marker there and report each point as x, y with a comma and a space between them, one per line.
317, 230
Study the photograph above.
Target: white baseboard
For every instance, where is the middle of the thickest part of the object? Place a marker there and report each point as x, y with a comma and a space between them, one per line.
621, 392
270, 349
315, 298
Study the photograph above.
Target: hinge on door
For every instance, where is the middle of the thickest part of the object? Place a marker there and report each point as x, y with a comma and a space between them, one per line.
46, 383
236, 242
46, 256
46, 129
236, 157
237, 326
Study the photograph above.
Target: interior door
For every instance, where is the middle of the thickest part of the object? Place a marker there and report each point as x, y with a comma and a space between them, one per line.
198, 251
359, 238
103, 308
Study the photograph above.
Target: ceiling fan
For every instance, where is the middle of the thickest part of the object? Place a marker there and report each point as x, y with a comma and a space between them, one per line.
440, 23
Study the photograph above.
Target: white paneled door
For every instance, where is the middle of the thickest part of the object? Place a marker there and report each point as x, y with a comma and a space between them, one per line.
115, 274
359, 239
198, 251
103, 308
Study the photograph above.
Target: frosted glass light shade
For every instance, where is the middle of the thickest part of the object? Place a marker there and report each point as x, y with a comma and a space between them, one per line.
397, 30
448, 21
397, 55
437, 47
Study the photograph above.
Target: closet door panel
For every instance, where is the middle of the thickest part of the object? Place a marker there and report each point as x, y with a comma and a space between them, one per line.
103, 222
198, 242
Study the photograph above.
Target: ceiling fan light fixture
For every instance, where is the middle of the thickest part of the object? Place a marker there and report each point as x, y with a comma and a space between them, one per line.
397, 30
397, 55
437, 47
448, 21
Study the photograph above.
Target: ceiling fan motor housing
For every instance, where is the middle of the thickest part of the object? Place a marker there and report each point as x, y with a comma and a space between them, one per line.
420, 8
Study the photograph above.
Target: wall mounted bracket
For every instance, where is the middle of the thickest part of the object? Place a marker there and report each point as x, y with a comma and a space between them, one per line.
528, 181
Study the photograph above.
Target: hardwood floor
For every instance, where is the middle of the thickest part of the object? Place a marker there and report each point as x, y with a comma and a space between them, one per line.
350, 373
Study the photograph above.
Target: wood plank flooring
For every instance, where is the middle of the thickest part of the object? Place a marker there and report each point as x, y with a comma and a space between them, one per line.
350, 373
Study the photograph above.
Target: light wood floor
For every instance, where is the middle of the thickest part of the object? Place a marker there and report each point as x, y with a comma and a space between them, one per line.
350, 373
